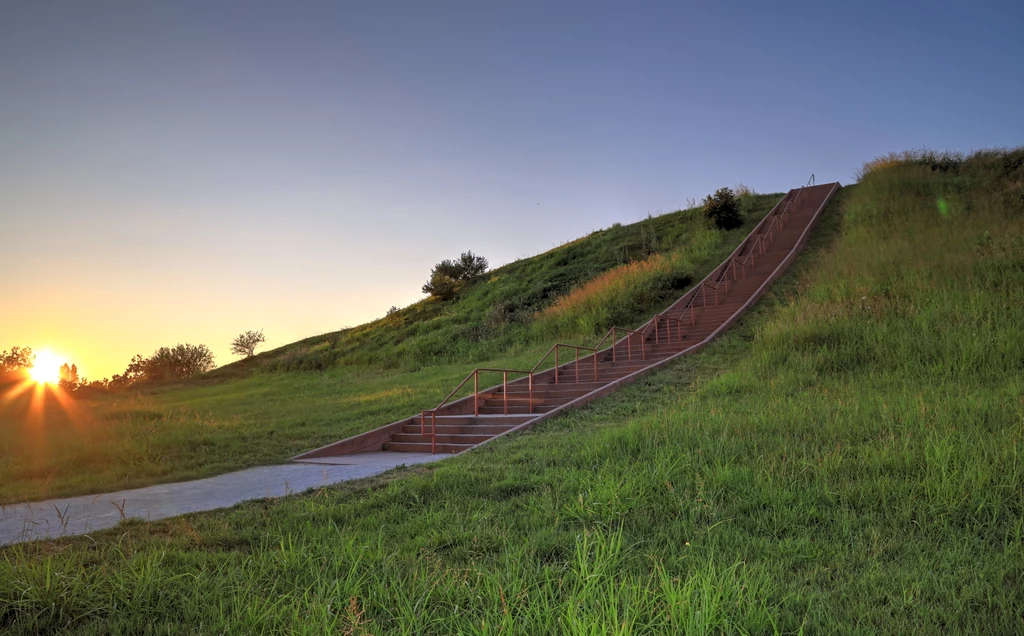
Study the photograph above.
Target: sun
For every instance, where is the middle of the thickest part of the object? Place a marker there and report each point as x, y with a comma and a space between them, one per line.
46, 369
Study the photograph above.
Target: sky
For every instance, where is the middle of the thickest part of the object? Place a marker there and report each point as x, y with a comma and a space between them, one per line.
185, 171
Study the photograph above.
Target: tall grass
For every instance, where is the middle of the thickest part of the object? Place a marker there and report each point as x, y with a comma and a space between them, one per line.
612, 298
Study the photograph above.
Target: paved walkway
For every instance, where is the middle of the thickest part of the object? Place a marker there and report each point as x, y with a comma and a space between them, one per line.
80, 515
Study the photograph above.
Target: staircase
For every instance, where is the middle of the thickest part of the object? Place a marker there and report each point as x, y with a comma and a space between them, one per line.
527, 396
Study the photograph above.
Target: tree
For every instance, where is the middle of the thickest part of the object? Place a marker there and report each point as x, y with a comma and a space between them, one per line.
178, 363
245, 344
723, 208
17, 360
69, 380
471, 265
133, 373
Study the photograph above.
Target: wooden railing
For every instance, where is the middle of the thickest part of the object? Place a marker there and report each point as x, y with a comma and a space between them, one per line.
555, 349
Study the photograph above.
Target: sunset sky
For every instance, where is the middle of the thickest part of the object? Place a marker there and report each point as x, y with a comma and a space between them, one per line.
184, 171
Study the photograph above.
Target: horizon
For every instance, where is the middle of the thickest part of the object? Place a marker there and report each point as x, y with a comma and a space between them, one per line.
184, 173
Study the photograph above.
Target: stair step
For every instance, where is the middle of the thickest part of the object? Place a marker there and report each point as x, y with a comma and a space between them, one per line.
425, 447
481, 429
518, 409
471, 440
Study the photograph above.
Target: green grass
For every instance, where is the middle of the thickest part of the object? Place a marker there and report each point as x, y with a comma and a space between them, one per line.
255, 412
132, 439
847, 459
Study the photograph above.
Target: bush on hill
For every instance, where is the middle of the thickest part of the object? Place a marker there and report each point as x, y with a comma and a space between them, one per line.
723, 209
447, 276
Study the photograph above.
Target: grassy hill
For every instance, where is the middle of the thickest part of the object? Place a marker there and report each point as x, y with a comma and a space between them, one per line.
282, 402
848, 459
616, 276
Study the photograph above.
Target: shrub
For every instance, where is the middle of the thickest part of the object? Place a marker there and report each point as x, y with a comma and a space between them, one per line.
441, 286
743, 190
648, 241
447, 275
723, 208
178, 363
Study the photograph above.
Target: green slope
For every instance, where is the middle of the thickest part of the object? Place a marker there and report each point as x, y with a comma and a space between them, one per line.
274, 406
848, 459
496, 312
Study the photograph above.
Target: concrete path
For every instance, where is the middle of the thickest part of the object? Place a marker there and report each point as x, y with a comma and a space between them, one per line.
80, 515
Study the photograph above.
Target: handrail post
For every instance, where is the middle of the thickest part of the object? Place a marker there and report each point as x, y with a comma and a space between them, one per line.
476, 393
556, 364
504, 389
657, 330
643, 349
423, 422
433, 432
595, 365
614, 356
577, 365
531, 392
629, 346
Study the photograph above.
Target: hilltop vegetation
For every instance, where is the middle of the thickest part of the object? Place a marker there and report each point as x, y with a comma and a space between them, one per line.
847, 459
273, 405
497, 312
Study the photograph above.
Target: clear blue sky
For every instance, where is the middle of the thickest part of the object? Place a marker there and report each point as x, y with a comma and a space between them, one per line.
182, 171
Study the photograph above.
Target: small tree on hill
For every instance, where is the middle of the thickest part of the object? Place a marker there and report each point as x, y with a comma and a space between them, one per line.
471, 265
723, 208
245, 344
446, 277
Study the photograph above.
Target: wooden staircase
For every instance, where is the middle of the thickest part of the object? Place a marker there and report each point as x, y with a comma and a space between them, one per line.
531, 395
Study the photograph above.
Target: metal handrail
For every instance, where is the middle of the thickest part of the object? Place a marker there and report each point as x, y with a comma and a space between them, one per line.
555, 348
657, 325
476, 399
629, 343
756, 243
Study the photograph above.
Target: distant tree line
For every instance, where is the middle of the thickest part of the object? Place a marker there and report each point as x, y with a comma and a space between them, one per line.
14, 364
166, 364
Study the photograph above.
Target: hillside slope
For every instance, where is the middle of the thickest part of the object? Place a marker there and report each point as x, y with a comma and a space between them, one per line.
848, 459
660, 256
266, 409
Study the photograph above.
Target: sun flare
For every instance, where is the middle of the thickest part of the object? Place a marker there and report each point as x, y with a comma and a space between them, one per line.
46, 369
